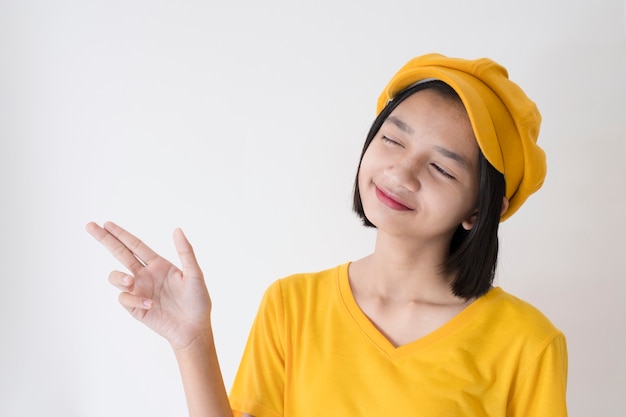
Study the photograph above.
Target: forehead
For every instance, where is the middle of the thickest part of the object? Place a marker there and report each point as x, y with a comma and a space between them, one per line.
436, 100
432, 115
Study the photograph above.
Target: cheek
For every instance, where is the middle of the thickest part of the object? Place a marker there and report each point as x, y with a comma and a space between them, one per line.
466, 205
364, 170
371, 163
362, 181
366, 177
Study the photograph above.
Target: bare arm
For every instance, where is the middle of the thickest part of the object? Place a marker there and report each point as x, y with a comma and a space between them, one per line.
202, 378
174, 303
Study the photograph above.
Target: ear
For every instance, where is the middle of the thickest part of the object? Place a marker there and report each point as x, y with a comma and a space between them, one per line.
505, 206
469, 222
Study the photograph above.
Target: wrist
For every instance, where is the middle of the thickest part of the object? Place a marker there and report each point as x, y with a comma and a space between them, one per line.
201, 375
197, 340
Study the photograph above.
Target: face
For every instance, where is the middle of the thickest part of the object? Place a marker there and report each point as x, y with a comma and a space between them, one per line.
419, 175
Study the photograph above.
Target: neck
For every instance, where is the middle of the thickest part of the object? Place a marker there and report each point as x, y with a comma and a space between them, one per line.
404, 271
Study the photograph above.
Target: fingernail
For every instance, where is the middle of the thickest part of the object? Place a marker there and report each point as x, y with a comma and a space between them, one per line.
125, 279
147, 303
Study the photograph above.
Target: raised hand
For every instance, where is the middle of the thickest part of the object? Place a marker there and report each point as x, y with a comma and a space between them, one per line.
174, 303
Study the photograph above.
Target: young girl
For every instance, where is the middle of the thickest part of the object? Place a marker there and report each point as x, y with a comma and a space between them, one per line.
416, 328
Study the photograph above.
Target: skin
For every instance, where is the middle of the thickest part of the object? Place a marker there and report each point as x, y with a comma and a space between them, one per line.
174, 303
418, 182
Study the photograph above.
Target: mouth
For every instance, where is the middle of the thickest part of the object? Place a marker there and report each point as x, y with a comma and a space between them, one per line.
390, 202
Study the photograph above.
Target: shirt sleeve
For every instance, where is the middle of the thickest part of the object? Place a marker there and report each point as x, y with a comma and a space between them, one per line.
542, 388
259, 385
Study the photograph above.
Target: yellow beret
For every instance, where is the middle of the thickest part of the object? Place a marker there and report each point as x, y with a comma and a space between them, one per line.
505, 121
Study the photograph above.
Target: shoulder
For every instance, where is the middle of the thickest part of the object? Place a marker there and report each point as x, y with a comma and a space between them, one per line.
305, 294
518, 312
294, 298
534, 351
308, 282
518, 321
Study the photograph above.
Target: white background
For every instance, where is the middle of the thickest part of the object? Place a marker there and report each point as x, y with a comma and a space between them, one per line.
243, 123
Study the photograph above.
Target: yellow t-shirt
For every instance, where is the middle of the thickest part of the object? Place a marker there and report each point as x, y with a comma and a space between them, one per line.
312, 352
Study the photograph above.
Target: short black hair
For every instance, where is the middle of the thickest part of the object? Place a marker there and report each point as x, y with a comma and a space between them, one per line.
473, 253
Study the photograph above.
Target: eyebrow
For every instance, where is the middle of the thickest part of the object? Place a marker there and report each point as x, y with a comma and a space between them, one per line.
400, 124
443, 151
452, 155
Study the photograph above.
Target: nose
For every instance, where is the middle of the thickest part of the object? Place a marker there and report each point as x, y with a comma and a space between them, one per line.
405, 173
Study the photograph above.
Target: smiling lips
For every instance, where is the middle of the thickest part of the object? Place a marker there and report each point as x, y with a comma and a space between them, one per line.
389, 201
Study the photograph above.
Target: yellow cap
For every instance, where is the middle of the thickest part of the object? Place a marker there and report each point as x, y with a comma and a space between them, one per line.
505, 121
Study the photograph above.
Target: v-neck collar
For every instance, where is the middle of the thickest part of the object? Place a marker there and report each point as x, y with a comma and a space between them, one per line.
379, 340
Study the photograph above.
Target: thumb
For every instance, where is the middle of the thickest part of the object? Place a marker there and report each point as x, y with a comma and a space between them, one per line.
186, 255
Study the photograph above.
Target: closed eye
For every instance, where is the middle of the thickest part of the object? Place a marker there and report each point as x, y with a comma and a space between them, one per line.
443, 171
389, 140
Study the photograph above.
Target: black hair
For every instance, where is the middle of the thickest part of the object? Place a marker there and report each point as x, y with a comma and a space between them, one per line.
473, 255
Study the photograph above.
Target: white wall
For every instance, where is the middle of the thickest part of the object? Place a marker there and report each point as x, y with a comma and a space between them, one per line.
243, 123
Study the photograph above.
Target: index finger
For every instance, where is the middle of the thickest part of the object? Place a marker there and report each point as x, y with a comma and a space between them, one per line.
125, 247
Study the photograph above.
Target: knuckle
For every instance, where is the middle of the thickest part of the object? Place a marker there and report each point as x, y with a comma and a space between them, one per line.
134, 244
118, 251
